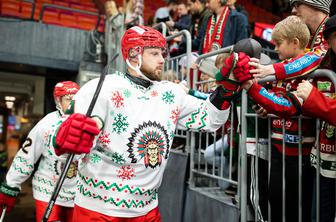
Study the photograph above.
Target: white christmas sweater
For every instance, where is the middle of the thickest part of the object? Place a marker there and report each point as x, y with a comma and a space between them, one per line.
38, 145
121, 175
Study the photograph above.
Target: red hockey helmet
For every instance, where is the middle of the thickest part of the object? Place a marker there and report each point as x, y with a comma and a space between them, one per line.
65, 88
137, 38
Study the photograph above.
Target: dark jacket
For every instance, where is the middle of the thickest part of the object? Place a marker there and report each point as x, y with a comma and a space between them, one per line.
235, 30
184, 22
198, 20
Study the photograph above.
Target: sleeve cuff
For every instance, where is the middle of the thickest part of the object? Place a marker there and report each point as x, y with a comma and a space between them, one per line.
225, 105
254, 89
280, 72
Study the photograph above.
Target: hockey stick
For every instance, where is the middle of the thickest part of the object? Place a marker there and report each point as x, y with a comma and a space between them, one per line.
71, 156
3, 213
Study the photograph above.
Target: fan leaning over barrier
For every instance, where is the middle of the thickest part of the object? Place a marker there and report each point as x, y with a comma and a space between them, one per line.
294, 138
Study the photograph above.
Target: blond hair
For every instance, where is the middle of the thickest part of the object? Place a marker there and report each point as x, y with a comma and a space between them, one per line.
220, 59
290, 28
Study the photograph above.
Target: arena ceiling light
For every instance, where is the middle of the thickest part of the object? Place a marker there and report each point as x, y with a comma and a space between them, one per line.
10, 98
9, 104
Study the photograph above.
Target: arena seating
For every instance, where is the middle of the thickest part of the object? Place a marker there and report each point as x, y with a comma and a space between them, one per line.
53, 15
56, 16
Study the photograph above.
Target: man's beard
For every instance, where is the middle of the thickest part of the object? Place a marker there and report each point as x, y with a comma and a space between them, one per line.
154, 75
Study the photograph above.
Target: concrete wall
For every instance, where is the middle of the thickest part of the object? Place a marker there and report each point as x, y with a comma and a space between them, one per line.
38, 44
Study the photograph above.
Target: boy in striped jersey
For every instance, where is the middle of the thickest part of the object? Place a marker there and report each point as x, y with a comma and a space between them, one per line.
314, 13
291, 37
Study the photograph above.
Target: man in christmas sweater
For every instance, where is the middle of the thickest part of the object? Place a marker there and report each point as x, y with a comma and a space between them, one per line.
314, 13
135, 115
290, 36
38, 147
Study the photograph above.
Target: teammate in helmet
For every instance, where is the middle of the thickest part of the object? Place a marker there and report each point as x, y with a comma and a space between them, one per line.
63, 93
138, 113
37, 158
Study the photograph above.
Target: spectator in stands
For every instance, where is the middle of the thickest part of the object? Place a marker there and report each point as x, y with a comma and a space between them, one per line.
290, 36
319, 102
224, 28
136, 115
38, 149
164, 14
232, 5
208, 71
184, 19
183, 64
314, 13
200, 14
110, 8
134, 11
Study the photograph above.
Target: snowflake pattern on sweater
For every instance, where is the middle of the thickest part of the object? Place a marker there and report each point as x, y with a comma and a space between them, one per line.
132, 150
38, 146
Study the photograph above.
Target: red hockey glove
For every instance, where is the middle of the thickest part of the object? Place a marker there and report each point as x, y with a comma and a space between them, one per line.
235, 68
76, 135
8, 197
242, 69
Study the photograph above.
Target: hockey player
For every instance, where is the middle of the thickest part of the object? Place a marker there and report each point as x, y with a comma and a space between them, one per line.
38, 147
135, 115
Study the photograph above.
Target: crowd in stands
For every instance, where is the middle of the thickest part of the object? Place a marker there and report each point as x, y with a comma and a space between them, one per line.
299, 39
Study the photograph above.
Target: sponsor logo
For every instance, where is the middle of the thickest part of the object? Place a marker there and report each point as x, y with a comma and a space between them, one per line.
300, 63
324, 85
291, 138
327, 148
276, 99
279, 122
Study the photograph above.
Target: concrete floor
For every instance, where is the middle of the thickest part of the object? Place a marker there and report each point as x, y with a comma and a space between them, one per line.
24, 210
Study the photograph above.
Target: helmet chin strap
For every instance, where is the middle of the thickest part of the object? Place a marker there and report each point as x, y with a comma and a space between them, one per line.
59, 107
60, 110
137, 68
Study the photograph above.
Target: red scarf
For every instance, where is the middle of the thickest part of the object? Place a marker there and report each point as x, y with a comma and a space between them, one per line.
317, 40
215, 32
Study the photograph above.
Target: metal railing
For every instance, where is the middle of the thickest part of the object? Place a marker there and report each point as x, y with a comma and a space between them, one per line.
161, 27
114, 29
243, 188
172, 63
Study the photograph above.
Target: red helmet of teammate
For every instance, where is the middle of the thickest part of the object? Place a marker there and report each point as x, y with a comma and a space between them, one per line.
137, 38
65, 88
